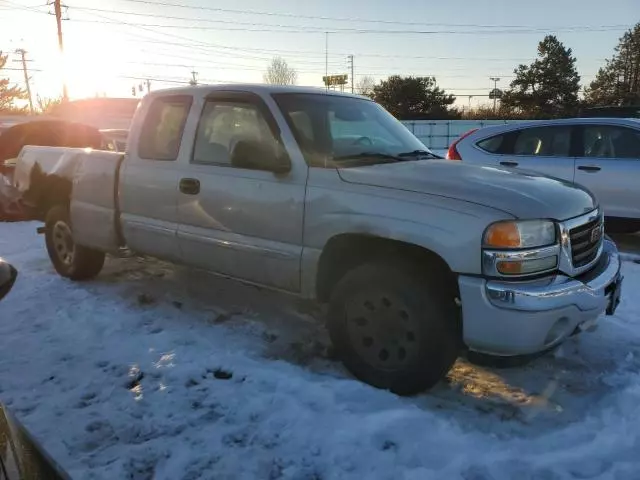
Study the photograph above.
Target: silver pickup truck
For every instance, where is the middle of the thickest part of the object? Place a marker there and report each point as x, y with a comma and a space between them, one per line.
328, 197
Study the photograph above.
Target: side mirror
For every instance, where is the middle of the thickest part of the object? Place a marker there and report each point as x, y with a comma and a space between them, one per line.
254, 155
8, 276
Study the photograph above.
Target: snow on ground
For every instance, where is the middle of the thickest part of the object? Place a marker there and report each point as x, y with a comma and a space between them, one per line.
157, 371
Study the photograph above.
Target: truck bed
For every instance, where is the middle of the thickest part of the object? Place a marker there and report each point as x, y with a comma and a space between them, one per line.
84, 179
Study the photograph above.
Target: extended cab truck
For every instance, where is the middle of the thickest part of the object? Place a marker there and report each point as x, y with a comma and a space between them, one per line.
328, 197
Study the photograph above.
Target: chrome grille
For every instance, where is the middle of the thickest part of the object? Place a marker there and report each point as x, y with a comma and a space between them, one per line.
585, 242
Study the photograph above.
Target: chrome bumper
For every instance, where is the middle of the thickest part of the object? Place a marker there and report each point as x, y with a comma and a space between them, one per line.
586, 292
518, 318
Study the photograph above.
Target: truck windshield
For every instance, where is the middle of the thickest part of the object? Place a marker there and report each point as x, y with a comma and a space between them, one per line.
341, 131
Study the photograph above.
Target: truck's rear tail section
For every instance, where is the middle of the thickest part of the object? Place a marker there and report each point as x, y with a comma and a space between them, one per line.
83, 180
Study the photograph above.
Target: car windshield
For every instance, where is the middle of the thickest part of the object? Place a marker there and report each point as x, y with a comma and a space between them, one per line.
342, 131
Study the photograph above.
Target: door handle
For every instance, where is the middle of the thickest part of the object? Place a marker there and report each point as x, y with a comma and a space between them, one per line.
509, 164
190, 186
589, 168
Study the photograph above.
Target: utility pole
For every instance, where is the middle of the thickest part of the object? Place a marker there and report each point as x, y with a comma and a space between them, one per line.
57, 7
353, 78
148, 83
22, 52
194, 78
495, 81
326, 57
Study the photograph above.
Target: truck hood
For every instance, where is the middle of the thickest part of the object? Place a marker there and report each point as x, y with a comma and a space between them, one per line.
523, 195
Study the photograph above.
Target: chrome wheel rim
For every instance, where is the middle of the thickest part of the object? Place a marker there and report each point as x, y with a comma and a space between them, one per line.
63, 243
382, 331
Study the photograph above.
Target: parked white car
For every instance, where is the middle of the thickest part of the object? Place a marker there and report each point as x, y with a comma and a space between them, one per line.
602, 154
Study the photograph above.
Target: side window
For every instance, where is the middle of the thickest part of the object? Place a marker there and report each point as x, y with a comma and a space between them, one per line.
162, 130
608, 141
303, 125
223, 124
543, 142
495, 144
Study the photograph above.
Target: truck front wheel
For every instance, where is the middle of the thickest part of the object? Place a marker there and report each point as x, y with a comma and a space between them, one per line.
70, 260
393, 327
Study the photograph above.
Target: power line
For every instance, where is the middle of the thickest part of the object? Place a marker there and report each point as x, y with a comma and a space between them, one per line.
17, 69
270, 51
208, 47
242, 67
305, 54
236, 22
175, 80
350, 19
315, 30
312, 29
232, 66
17, 6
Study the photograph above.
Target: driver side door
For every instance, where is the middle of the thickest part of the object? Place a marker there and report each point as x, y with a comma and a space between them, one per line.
239, 222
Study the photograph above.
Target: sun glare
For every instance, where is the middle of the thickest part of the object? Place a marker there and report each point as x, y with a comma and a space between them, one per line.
86, 72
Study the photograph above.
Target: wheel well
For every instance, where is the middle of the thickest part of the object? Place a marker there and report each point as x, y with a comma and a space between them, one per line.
345, 252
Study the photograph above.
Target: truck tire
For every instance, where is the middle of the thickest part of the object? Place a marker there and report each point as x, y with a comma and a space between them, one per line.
70, 260
393, 327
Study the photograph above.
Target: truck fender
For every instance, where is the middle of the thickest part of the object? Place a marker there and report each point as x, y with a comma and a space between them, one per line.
448, 240
94, 201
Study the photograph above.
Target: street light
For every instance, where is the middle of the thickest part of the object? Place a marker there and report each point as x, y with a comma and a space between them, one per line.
495, 93
619, 88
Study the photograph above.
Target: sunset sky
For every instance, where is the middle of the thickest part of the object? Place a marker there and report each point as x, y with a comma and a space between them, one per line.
110, 46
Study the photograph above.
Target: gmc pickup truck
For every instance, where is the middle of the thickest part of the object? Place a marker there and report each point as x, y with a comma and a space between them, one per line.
328, 197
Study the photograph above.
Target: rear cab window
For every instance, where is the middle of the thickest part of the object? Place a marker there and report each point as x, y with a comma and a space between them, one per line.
163, 127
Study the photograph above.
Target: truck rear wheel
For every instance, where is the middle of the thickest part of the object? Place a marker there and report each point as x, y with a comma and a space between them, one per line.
70, 260
393, 327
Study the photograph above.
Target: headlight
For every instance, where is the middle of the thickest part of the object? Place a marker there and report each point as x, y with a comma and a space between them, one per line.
515, 248
525, 234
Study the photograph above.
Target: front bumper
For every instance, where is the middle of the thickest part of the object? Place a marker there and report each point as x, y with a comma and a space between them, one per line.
518, 318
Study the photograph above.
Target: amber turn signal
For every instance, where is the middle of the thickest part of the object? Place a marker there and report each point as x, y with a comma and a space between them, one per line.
503, 235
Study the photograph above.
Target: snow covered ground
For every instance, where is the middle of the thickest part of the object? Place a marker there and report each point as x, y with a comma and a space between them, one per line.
156, 371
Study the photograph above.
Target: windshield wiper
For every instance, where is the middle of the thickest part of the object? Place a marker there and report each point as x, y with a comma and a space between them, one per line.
419, 153
377, 157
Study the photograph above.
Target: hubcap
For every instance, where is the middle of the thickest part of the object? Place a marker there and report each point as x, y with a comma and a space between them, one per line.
63, 243
382, 331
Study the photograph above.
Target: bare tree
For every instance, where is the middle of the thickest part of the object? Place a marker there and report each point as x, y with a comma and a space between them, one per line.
45, 104
365, 86
280, 73
9, 94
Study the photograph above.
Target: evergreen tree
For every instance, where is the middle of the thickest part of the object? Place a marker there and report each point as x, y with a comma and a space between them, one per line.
618, 82
414, 98
549, 86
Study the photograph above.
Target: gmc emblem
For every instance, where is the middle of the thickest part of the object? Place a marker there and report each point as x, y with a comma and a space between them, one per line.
595, 234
